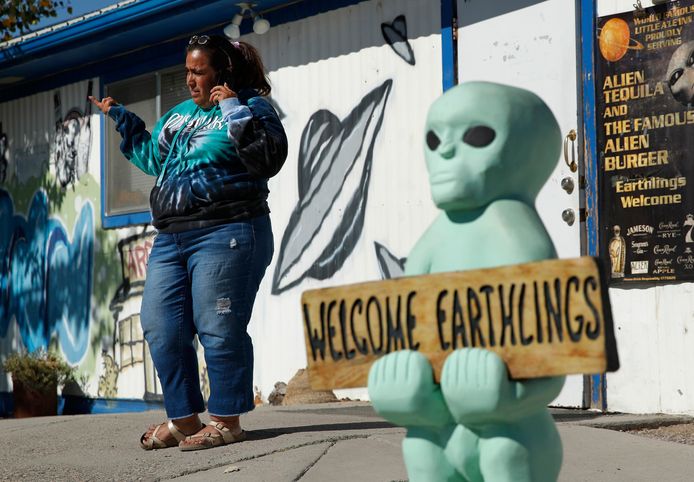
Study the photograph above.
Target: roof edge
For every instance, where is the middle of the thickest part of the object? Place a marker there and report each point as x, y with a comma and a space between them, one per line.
51, 38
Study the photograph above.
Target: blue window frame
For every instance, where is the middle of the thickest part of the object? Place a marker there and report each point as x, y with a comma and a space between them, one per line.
119, 215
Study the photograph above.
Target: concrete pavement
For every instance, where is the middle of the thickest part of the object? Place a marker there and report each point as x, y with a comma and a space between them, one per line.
327, 442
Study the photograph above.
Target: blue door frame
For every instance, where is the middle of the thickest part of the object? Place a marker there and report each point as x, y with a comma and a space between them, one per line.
596, 393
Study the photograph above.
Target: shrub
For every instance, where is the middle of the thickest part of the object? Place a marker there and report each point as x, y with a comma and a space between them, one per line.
39, 370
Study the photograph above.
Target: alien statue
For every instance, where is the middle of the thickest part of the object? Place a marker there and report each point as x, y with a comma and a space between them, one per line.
489, 149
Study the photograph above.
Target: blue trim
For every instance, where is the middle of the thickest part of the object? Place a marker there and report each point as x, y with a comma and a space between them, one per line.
58, 58
6, 404
122, 220
144, 11
102, 158
156, 58
118, 220
152, 58
76, 405
448, 47
598, 386
588, 45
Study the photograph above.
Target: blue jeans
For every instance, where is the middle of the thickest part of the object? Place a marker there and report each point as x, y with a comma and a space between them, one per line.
204, 282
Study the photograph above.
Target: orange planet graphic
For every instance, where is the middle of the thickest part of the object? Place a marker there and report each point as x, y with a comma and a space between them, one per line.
615, 39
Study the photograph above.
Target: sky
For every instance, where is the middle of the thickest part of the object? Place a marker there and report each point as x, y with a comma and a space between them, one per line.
79, 8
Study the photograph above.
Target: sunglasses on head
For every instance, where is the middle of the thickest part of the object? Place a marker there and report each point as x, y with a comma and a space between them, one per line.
199, 39
203, 39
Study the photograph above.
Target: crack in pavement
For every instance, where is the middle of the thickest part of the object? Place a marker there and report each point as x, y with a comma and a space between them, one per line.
303, 472
331, 440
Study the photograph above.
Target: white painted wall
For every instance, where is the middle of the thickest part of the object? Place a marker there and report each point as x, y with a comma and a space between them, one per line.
655, 333
331, 61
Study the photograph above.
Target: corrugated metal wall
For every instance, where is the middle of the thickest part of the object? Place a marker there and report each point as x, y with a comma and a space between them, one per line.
30, 123
353, 87
333, 62
50, 232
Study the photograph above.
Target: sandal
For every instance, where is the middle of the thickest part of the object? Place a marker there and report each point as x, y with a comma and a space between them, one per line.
208, 440
153, 442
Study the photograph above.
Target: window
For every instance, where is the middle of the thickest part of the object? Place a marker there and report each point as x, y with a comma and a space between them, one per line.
126, 195
132, 341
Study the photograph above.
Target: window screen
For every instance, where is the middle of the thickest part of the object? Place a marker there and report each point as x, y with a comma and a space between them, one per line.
127, 188
173, 89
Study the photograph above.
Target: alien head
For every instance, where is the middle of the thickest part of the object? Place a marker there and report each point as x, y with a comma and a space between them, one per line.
487, 141
680, 73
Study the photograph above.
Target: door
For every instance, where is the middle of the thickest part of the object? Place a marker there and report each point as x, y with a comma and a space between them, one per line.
532, 44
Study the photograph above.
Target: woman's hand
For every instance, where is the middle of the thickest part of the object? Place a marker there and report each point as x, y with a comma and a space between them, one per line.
221, 92
104, 105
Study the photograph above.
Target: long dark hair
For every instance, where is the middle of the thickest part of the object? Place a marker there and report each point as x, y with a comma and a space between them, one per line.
247, 70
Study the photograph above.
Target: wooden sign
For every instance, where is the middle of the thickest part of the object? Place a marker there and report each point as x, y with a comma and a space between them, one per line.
545, 318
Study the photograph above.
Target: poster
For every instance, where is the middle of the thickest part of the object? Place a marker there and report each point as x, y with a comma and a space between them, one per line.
645, 119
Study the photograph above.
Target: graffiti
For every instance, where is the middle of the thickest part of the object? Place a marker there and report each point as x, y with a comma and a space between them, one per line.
46, 280
395, 34
134, 253
335, 160
73, 137
130, 347
3, 155
108, 381
389, 265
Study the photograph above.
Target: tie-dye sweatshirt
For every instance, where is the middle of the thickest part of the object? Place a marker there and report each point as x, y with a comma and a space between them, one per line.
212, 165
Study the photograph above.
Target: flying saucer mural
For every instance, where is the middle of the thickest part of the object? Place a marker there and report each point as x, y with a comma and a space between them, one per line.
395, 34
335, 159
390, 265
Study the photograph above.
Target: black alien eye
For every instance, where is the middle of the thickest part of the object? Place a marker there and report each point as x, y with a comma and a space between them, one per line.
433, 140
675, 76
479, 136
690, 60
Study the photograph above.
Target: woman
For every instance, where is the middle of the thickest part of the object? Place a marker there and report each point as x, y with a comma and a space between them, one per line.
212, 156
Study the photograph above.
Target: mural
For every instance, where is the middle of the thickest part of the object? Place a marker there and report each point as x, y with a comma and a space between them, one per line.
37, 257
130, 358
73, 138
108, 381
395, 35
390, 265
335, 159
134, 253
48, 233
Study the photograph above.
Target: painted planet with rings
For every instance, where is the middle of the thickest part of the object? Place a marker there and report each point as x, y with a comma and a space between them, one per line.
615, 39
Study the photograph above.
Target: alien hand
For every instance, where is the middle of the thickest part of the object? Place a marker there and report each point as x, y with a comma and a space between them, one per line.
476, 386
402, 390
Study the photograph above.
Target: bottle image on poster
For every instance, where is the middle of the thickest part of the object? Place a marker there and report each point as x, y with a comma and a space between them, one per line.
645, 116
618, 251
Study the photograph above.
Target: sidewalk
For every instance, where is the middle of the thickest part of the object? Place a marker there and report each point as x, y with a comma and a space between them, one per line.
327, 442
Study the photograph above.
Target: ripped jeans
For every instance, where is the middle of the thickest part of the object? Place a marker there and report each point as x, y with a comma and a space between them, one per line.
204, 282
